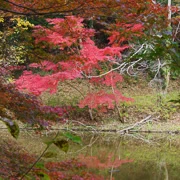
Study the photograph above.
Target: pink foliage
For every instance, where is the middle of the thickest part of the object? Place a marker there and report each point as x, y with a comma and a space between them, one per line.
137, 28
45, 65
84, 57
101, 98
64, 33
112, 51
37, 84
128, 31
112, 78
71, 169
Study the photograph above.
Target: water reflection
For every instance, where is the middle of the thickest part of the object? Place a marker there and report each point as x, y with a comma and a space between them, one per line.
134, 157
110, 156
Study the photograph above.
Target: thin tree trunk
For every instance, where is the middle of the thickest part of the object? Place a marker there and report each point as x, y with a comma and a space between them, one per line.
167, 75
169, 12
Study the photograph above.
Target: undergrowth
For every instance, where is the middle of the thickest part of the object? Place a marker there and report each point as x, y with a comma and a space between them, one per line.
146, 101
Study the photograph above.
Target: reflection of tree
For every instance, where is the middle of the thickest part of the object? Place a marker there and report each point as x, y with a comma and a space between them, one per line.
103, 162
13, 159
163, 171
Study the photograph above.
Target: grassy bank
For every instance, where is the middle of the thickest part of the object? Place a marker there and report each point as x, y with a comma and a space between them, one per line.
147, 100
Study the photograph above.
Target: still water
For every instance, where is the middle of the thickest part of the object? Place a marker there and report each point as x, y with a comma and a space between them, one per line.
129, 157
115, 157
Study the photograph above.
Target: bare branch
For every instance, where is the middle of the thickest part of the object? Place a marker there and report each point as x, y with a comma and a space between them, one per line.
143, 121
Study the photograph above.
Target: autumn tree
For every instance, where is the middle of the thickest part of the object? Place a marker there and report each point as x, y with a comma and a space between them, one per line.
83, 59
64, 47
71, 52
56, 6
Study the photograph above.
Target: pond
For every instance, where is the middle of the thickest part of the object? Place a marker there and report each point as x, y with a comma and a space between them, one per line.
134, 156
111, 156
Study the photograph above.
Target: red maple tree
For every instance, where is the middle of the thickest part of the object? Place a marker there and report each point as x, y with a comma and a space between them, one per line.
83, 61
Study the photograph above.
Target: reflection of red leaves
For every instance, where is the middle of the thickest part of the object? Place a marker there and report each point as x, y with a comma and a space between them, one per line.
56, 175
70, 169
14, 160
95, 162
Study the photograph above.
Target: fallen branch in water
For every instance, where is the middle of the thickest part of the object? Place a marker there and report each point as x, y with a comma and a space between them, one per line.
155, 131
88, 128
143, 121
102, 130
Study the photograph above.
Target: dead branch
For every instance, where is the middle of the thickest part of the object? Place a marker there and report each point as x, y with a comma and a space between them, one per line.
143, 121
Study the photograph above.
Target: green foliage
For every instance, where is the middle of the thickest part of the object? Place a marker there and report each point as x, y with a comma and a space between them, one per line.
166, 110
165, 2
12, 126
13, 129
40, 165
123, 110
13, 50
73, 138
43, 176
147, 103
160, 46
176, 101
62, 144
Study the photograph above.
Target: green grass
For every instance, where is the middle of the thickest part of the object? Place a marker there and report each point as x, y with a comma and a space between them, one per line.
146, 100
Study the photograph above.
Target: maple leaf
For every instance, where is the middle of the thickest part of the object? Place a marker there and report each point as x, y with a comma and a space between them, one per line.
91, 52
114, 51
137, 28
111, 79
37, 84
83, 57
114, 36
101, 98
